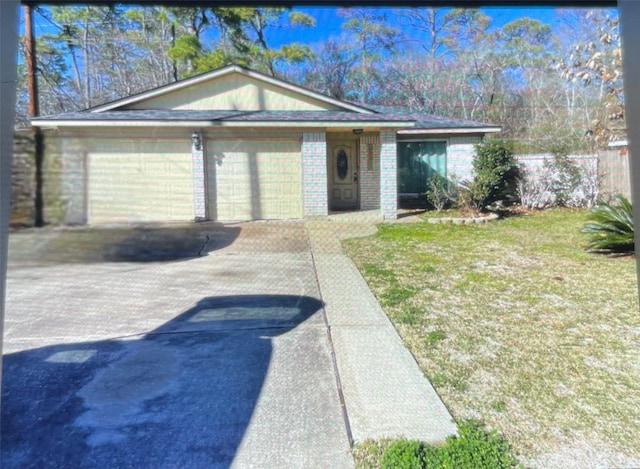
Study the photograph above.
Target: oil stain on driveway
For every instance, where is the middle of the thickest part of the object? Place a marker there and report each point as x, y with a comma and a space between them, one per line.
106, 367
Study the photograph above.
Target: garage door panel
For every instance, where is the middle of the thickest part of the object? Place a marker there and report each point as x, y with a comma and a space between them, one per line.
256, 179
139, 181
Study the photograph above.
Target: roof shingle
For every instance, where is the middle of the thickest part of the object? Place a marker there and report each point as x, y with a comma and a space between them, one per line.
233, 116
381, 114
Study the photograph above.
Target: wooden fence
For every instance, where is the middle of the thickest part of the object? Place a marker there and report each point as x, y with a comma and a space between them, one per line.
615, 176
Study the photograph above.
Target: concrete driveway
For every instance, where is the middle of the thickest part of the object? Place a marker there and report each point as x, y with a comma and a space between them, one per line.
194, 347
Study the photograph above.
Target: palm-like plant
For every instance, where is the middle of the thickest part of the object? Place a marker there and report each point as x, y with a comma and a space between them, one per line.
611, 227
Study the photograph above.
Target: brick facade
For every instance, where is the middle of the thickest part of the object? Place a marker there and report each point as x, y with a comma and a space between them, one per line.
23, 180
64, 181
73, 158
369, 172
66, 177
460, 154
314, 174
388, 175
199, 187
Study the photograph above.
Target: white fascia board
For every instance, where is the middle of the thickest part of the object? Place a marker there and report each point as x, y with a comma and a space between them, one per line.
150, 123
478, 130
221, 72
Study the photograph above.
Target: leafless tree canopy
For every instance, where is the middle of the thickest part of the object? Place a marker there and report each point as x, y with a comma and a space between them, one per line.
552, 89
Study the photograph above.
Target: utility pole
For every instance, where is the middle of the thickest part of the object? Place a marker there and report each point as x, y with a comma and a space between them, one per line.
8, 52
34, 111
174, 67
629, 11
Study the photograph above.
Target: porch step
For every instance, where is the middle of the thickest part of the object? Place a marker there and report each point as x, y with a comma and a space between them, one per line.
374, 216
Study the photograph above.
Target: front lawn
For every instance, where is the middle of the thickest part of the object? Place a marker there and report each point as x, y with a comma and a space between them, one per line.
516, 325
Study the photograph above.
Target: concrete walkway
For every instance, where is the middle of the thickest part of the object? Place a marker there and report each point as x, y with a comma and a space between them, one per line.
255, 345
386, 394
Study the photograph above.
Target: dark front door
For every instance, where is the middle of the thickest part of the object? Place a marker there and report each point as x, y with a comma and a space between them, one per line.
343, 175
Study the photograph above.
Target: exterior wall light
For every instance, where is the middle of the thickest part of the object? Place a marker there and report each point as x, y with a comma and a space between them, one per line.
357, 131
196, 141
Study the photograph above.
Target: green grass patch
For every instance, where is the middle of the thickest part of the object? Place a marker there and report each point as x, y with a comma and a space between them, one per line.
516, 312
410, 315
499, 406
453, 381
397, 295
433, 337
373, 270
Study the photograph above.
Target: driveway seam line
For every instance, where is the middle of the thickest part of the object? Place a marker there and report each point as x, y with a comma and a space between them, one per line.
198, 331
343, 404
152, 334
238, 329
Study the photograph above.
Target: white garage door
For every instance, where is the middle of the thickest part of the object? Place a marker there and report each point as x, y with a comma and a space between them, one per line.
138, 180
252, 180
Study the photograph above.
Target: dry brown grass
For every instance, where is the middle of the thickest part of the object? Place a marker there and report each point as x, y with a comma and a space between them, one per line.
516, 325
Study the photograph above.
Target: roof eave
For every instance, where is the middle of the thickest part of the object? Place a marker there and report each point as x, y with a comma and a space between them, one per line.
456, 130
208, 123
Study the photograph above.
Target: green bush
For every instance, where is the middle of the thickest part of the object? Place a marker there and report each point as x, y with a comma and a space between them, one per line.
441, 192
474, 448
496, 175
404, 454
611, 227
431, 458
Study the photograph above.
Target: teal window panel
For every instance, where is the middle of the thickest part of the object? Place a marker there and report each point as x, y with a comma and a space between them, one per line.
418, 162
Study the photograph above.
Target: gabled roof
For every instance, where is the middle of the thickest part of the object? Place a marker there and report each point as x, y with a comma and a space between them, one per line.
119, 113
220, 72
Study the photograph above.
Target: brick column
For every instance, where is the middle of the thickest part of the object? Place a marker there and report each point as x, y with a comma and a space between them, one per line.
72, 155
314, 174
388, 175
370, 172
199, 188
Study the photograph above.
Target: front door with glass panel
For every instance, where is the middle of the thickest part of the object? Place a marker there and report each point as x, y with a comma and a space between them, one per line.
343, 175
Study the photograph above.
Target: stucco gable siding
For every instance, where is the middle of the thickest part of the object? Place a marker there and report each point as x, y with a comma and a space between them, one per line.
234, 92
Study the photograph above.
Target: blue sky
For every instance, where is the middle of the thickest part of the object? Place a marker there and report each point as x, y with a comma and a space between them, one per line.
328, 23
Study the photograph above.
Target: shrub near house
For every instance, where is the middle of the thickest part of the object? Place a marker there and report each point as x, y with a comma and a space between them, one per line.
496, 176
